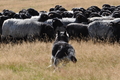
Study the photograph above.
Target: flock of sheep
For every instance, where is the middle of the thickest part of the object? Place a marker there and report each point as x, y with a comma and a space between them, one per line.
92, 23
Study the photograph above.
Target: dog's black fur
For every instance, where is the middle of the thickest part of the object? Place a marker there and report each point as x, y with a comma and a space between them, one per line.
62, 51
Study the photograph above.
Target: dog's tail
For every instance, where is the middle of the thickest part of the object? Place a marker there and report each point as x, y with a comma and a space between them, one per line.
71, 54
73, 59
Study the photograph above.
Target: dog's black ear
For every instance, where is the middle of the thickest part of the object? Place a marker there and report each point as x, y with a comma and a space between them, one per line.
65, 33
73, 59
58, 32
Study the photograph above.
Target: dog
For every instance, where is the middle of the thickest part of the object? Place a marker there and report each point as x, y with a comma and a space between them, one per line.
62, 51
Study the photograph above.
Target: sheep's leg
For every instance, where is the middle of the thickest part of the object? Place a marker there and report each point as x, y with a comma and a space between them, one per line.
30, 38
3, 38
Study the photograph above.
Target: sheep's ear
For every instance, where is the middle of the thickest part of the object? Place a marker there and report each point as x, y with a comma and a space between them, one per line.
119, 23
53, 20
111, 24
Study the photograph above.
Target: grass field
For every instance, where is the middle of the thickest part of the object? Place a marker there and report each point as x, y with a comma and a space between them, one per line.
29, 61
17, 5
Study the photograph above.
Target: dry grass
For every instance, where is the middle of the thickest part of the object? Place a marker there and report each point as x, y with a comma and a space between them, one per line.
17, 5
29, 61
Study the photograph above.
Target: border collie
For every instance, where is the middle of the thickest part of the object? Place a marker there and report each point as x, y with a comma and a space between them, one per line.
62, 51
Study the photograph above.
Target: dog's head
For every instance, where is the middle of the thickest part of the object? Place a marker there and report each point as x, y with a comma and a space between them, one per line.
62, 36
